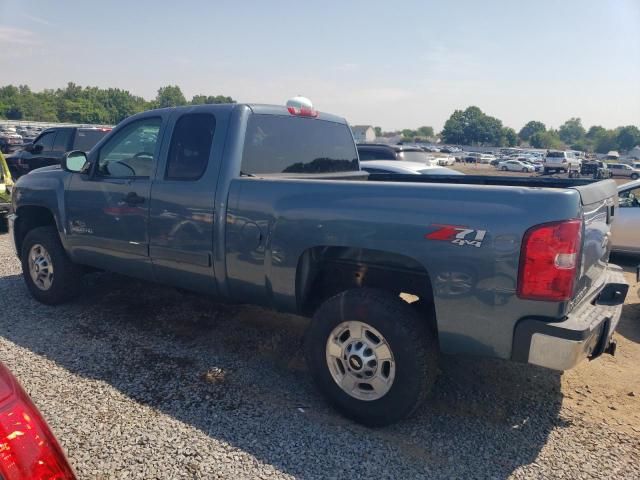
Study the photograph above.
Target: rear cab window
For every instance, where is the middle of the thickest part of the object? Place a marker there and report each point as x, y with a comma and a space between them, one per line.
61, 142
413, 156
190, 146
276, 144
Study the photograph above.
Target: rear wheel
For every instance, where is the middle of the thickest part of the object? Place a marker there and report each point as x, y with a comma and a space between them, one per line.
50, 275
504, 169
525, 170
634, 176
372, 355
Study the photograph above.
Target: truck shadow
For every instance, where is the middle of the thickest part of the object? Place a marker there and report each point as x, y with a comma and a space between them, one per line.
236, 374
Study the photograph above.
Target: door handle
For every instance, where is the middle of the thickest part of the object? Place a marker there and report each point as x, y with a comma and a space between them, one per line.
132, 198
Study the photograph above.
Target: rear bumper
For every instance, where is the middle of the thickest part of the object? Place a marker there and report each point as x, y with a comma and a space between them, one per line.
585, 333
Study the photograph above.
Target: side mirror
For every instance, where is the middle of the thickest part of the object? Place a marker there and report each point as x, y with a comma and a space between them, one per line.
74, 161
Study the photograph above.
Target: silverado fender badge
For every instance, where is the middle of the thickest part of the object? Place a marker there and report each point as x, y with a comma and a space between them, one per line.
457, 235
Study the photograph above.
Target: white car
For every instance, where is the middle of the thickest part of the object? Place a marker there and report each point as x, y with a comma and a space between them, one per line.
625, 231
516, 166
406, 168
558, 161
446, 161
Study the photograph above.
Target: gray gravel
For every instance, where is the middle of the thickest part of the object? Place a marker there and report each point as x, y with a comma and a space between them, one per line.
142, 381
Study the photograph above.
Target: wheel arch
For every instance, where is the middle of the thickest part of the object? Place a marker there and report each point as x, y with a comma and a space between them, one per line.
29, 217
324, 271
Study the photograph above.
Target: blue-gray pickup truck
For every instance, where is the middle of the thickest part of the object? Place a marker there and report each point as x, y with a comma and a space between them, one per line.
267, 205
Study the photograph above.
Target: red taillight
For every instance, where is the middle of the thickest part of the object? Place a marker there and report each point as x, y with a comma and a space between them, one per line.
548, 261
28, 449
303, 111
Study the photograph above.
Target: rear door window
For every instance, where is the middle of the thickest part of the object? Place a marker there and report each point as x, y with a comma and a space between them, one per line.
190, 146
277, 144
61, 142
86, 139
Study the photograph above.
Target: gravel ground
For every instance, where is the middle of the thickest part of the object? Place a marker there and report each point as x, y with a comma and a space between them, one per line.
142, 381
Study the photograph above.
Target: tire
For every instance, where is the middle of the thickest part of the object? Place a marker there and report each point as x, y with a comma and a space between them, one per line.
525, 170
412, 352
64, 282
634, 176
504, 169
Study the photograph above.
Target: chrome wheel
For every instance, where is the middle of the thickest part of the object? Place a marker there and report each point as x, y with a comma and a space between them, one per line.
360, 360
40, 267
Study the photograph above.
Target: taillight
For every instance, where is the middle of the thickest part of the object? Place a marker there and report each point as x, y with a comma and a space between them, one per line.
549, 260
28, 449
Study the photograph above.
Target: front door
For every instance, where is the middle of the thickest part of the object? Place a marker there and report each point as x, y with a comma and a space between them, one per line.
108, 209
626, 224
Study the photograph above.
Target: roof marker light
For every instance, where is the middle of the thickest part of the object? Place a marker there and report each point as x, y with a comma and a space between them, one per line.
301, 106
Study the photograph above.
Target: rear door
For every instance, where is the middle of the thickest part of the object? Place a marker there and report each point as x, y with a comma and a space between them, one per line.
626, 227
182, 200
108, 209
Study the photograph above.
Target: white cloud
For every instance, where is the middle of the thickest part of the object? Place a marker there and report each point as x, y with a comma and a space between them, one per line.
17, 43
10, 36
39, 20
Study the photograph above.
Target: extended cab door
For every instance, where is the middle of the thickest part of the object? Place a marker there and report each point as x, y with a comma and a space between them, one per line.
182, 200
108, 209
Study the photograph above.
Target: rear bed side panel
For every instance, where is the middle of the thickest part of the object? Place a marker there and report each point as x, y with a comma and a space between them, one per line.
270, 223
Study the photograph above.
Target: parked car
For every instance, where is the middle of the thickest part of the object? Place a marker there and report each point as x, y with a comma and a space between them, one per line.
28, 448
515, 166
49, 147
536, 167
595, 168
445, 161
268, 205
431, 148
407, 168
623, 170
380, 151
559, 161
625, 234
10, 141
6, 184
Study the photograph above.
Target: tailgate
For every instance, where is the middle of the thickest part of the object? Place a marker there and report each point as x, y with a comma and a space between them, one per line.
599, 201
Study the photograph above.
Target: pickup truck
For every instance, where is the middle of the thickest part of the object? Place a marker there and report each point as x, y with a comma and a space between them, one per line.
267, 205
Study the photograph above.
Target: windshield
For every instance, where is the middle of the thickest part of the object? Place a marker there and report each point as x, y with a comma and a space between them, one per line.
278, 144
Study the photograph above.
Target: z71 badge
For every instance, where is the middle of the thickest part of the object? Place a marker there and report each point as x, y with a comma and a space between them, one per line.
460, 236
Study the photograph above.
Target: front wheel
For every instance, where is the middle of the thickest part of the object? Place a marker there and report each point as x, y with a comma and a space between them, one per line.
372, 355
50, 275
504, 169
634, 176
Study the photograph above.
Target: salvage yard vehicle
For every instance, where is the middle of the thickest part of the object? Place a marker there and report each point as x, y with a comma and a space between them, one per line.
515, 166
49, 147
407, 153
268, 205
406, 168
559, 161
623, 170
625, 235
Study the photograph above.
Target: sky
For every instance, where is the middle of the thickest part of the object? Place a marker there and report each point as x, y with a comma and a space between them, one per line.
397, 65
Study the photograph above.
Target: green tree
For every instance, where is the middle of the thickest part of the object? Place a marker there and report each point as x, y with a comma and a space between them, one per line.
546, 139
170, 96
210, 99
472, 127
571, 131
628, 137
425, 132
408, 134
530, 129
509, 137
378, 131
595, 131
606, 141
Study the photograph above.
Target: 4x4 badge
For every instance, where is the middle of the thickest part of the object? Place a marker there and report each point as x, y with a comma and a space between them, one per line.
457, 235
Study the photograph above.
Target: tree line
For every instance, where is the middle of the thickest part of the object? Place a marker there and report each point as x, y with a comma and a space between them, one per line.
473, 127
77, 104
